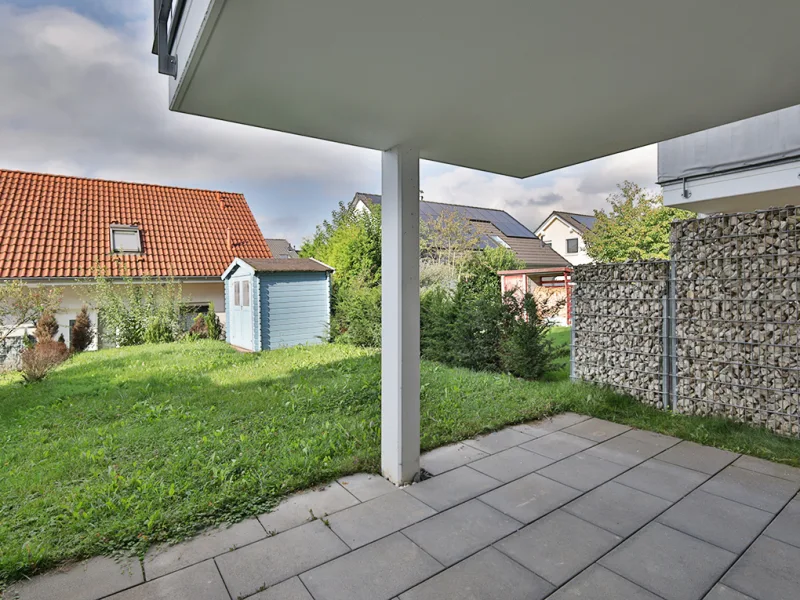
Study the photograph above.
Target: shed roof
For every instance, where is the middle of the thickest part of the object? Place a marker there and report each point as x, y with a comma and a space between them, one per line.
281, 265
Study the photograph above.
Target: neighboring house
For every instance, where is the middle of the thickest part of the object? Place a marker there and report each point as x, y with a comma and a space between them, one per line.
564, 231
274, 303
496, 228
58, 231
281, 248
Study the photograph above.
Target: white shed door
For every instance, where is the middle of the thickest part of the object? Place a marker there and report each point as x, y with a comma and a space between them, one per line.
241, 313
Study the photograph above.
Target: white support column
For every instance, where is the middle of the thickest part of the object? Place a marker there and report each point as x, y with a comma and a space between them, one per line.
400, 317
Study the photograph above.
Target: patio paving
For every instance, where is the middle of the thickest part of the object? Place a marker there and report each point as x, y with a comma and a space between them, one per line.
565, 508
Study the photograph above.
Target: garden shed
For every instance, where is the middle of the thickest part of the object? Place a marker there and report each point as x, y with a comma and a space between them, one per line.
276, 302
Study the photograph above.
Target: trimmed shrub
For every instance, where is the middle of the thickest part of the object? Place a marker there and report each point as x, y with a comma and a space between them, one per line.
82, 333
159, 332
38, 361
46, 327
525, 348
477, 328
213, 324
199, 328
356, 318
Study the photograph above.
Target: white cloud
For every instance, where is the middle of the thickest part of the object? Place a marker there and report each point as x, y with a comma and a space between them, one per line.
81, 95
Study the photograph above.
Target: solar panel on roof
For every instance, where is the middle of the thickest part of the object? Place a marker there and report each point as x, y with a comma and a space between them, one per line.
507, 224
585, 220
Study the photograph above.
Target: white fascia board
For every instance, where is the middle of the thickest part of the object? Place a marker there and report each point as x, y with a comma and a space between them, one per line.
751, 189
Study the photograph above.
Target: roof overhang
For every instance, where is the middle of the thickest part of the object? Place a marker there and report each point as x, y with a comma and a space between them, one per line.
744, 190
510, 87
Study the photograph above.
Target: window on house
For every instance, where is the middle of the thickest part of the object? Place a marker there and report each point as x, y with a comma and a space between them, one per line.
236, 300
245, 293
500, 241
126, 239
572, 246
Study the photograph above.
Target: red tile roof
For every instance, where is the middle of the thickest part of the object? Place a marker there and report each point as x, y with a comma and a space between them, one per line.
57, 226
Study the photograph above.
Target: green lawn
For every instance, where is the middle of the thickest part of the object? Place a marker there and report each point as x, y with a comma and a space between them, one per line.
121, 448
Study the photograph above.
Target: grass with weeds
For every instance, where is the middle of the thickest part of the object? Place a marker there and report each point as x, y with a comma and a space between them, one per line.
119, 449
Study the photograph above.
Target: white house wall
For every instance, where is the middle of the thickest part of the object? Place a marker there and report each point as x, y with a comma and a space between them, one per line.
76, 295
558, 233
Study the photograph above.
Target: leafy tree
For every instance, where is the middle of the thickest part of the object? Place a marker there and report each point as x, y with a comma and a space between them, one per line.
21, 304
448, 239
636, 228
350, 242
480, 269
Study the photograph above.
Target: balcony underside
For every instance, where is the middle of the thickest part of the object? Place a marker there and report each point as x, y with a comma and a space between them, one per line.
511, 87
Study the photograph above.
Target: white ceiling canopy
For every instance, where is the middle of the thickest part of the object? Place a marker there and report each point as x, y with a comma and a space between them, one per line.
508, 86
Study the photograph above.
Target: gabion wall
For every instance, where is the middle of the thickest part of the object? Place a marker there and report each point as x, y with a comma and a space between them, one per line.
715, 330
618, 321
737, 333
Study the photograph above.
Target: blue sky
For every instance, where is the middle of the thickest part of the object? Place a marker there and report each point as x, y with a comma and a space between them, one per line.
81, 95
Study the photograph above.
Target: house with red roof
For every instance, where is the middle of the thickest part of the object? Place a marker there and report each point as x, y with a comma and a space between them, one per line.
63, 231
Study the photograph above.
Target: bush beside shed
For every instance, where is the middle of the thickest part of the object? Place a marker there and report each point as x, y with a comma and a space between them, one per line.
275, 303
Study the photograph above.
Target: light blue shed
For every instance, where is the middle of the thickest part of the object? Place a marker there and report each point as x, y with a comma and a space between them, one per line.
276, 302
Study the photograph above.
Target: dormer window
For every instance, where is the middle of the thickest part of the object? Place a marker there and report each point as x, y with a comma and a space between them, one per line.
126, 239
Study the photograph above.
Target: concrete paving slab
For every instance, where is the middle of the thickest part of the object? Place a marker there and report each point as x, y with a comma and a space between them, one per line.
488, 575
598, 583
510, 464
291, 589
717, 520
624, 451
669, 563
306, 506
166, 559
597, 430
649, 437
558, 445
786, 526
699, 458
768, 468
550, 424
379, 571
661, 479
723, 592
530, 497
460, 531
617, 508
557, 547
365, 486
751, 488
450, 457
499, 440
582, 471
367, 522
451, 488
270, 561
198, 582
87, 580
769, 570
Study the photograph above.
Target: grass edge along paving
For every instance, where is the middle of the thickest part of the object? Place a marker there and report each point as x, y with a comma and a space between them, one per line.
124, 448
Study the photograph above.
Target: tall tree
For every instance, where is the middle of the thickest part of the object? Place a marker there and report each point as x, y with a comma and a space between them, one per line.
636, 228
448, 239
